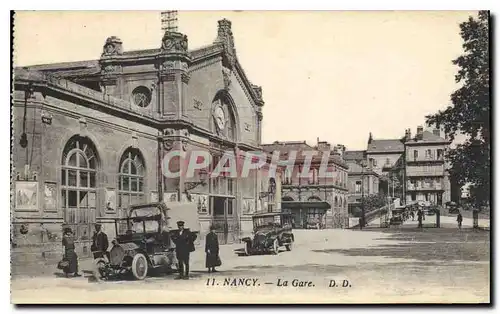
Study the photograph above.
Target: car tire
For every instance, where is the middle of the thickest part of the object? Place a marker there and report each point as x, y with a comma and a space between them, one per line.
247, 248
140, 266
276, 247
98, 269
289, 246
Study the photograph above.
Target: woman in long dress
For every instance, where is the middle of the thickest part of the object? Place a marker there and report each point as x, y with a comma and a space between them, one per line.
68, 243
212, 251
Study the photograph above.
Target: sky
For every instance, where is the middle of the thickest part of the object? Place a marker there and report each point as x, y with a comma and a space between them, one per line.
332, 75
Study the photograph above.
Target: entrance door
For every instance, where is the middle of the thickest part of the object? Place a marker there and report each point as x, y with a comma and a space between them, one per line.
222, 209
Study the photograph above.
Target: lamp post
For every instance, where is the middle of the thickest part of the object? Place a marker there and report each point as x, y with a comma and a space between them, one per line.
203, 175
363, 165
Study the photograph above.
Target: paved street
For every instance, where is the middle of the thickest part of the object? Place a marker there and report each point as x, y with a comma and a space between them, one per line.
391, 265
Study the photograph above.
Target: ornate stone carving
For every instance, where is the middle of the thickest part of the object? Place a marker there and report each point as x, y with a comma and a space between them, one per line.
226, 76
225, 36
174, 42
113, 46
258, 92
184, 139
167, 65
168, 143
197, 104
247, 127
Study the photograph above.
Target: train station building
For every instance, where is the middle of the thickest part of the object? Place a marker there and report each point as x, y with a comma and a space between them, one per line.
89, 136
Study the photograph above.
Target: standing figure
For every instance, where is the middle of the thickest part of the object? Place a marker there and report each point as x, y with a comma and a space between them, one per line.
184, 245
459, 220
212, 251
68, 243
100, 243
419, 217
412, 215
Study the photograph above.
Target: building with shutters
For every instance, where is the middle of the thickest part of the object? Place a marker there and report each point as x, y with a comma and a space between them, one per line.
313, 197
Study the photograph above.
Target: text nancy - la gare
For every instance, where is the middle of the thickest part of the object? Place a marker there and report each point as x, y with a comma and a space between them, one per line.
255, 282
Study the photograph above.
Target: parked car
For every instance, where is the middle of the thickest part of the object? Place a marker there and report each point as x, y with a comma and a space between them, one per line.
270, 232
453, 208
142, 244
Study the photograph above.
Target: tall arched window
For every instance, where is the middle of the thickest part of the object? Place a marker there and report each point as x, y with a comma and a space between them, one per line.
78, 184
131, 179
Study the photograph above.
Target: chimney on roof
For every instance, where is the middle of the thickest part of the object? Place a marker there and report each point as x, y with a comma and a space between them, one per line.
437, 132
420, 132
370, 138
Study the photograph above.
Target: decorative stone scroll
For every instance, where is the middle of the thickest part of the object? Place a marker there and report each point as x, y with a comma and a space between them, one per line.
113, 46
174, 42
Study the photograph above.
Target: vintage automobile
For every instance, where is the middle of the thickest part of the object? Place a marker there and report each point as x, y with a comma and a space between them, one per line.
270, 232
142, 243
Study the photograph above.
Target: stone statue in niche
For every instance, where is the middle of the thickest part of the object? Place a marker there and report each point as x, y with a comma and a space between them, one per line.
113, 46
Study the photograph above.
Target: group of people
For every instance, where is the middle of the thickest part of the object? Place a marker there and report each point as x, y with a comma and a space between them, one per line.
183, 239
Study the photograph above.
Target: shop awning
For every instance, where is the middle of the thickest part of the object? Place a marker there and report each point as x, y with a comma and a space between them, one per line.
311, 204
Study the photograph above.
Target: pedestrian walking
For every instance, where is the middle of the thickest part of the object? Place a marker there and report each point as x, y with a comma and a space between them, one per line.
184, 245
212, 251
100, 243
459, 220
70, 256
419, 218
412, 215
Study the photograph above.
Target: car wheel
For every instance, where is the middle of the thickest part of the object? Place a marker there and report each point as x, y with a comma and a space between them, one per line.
139, 266
99, 270
247, 248
289, 246
276, 246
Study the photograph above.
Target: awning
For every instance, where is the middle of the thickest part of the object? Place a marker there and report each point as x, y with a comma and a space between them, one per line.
311, 204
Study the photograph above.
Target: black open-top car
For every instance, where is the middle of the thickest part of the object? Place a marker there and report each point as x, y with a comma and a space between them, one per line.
142, 244
270, 232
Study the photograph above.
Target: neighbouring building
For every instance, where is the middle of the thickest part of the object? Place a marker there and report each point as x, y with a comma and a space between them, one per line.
426, 174
384, 156
315, 198
89, 136
362, 180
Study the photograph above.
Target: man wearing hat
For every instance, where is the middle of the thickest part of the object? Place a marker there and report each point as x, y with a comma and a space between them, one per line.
99, 242
184, 245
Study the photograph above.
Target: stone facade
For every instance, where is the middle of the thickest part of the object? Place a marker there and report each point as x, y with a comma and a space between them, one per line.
89, 137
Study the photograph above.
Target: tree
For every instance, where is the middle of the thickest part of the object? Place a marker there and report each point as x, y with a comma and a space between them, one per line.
469, 112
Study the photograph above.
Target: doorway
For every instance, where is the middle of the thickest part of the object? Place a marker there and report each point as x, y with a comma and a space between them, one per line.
222, 218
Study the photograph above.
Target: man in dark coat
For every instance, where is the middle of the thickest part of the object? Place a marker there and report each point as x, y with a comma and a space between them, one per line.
99, 242
420, 215
212, 250
184, 245
459, 220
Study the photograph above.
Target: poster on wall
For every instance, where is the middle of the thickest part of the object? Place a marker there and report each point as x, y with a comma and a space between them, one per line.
110, 199
170, 197
248, 206
50, 196
154, 197
26, 195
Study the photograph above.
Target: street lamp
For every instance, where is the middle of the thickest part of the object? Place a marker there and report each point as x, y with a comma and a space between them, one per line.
188, 186
363, 165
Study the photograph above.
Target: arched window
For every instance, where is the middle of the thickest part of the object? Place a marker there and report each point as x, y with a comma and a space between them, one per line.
78, 184
131, 179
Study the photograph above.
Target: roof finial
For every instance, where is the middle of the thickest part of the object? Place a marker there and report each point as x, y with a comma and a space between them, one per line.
370, 138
